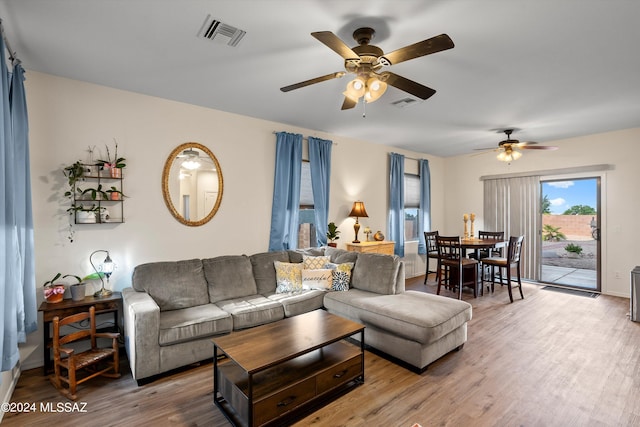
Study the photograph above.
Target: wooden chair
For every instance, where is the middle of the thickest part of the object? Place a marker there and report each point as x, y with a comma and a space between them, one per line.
483, 253
95, 361
432, 251
512, 261
459, 271
488, 252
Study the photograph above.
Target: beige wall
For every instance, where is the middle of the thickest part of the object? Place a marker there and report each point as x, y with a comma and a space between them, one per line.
619, 188
67, 116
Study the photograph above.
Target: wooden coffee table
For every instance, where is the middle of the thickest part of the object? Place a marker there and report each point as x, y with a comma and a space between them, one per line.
275, 371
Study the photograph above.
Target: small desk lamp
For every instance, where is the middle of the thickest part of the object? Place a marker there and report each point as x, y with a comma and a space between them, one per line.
106, 269
358, 211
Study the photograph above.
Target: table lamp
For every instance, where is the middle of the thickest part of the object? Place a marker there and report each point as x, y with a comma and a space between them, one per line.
106, 269
358, 211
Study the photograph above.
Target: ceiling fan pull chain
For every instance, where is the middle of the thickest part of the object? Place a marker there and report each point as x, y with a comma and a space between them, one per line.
364, 109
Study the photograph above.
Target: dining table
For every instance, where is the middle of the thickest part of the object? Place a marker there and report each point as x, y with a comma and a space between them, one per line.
476, 244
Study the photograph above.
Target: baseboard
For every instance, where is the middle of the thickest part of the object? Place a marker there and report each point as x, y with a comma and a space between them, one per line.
13, 376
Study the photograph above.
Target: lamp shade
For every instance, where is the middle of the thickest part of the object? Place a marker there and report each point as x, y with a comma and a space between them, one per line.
375, 89
355, 89
358, 210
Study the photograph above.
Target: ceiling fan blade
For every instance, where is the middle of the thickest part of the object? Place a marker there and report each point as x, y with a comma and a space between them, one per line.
416, 50
336, 75
348, 103
402, 83
537, 147
334, 43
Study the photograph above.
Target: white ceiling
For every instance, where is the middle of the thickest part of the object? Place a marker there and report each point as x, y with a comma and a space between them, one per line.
553, 68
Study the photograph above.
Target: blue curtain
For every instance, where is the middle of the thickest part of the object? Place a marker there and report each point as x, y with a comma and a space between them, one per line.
320, 163
424, 214
396, 202
286, 192
17, 283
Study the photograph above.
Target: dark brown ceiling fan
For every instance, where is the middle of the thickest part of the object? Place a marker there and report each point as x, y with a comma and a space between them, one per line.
366, 62
508, 149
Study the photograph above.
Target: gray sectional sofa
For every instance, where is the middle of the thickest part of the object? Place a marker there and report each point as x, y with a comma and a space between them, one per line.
173, 309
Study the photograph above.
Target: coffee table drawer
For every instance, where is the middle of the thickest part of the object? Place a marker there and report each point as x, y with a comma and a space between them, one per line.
284, 401
339, 374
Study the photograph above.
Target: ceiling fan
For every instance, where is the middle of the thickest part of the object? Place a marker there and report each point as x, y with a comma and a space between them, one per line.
508, 149
366, 62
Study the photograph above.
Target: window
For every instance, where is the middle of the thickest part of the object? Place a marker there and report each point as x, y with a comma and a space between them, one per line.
411, 206
306, 217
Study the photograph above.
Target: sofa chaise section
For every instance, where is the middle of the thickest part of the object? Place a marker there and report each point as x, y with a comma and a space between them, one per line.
415, 327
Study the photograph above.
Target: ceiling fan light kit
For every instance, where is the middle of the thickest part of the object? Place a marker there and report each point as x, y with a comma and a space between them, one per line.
366, 61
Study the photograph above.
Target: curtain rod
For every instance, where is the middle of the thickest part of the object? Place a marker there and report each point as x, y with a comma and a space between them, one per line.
12, 54
304, 138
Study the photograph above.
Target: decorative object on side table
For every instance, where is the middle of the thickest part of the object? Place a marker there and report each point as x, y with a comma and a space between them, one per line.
367, 232
358, 211
78, 290
106, 269
378, 237
332, 234
54, 292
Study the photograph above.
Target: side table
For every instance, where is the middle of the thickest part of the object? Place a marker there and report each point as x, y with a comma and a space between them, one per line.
383, 247
68, 307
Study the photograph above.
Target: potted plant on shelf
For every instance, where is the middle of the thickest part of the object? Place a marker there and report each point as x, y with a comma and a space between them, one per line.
84, 214
54, 292
115, 194
96, 193
113, 164
332, 234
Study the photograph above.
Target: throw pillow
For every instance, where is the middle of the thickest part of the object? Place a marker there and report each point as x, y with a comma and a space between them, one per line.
314, 262
288, 277
341, 276
317, 279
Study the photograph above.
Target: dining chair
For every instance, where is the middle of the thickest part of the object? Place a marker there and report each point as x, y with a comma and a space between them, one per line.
95, 361
482, 253
514, 250
459, 271
432, 252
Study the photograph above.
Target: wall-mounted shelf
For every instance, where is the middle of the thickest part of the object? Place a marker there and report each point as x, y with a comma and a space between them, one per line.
99, 195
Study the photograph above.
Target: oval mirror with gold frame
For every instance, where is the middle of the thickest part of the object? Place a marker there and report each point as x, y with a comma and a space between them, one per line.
192, 184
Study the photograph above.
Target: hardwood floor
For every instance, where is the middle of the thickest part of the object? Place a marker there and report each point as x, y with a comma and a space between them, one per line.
549, 360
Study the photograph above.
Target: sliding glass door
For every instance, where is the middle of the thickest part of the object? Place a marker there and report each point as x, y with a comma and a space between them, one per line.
570, 238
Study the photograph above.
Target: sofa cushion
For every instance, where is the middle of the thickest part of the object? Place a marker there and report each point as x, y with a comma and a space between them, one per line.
314, 262
264, 272
339, 256
252, 311
417, 316
296, 255
299, 303
178, 326
288, 277
173, 285
229, 277
341, 276
317, 279
376, 273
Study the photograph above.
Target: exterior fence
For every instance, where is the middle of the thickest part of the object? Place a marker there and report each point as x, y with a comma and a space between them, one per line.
575, 227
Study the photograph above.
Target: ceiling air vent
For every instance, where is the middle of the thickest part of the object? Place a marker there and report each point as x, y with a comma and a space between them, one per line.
404, 102
215, 30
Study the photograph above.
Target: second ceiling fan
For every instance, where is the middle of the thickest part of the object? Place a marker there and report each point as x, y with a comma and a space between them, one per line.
366, 62
508, 148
